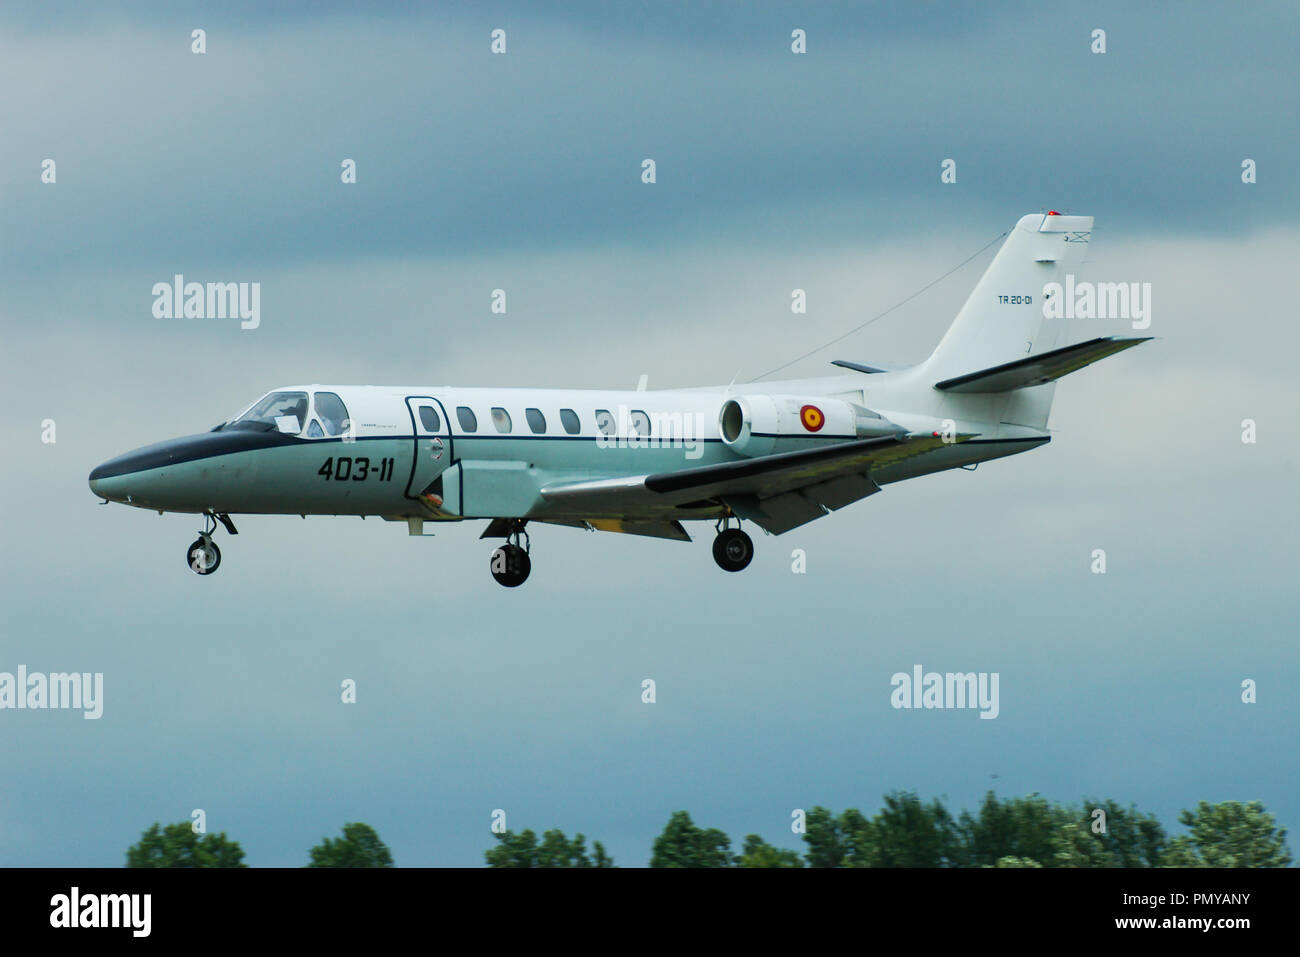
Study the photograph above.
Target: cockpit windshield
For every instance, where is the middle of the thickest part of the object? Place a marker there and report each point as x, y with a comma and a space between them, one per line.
332, 413
272, 414
290, 412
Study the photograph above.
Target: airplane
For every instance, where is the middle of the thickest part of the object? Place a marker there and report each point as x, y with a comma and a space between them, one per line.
775, 454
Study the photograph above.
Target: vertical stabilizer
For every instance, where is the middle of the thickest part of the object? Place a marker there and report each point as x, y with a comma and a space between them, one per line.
1003, 319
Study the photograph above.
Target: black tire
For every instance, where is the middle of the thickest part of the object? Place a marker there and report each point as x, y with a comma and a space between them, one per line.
733, 550
204, 558
510, 566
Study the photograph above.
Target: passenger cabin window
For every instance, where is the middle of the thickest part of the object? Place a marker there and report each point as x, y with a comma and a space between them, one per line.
273, 412
465, 417
333, 414
536, 421
569, 419
500, 419
604, 422
429, 419
640, 423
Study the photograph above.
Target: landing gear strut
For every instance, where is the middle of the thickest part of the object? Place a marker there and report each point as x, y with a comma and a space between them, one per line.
732, 549
203, 556
510, 563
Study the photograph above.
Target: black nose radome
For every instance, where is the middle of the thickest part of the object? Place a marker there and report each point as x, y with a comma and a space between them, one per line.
189, 449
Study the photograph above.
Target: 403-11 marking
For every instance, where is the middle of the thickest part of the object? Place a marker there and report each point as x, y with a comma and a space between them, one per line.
357, 469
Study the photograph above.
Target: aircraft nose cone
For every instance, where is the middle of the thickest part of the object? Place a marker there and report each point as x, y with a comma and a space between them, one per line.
169, 474
117, 478
106, 482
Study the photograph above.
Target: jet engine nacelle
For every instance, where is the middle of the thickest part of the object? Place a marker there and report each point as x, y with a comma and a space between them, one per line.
762, 424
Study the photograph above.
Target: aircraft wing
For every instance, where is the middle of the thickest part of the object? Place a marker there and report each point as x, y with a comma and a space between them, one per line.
776, 492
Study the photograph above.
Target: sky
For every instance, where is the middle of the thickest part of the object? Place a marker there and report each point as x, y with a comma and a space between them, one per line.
522, 171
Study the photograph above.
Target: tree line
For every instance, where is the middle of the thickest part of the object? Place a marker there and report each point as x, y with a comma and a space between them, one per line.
179, 845
906, 832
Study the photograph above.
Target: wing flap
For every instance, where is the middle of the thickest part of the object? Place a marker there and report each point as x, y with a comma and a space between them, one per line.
773, 475
667, 529
781, 513
777, 492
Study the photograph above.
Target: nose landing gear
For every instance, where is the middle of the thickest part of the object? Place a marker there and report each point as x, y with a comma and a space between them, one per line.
733, 550
203, 556
510, 563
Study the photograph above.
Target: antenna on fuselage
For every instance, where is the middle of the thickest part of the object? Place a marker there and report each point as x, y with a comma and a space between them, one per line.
901, 302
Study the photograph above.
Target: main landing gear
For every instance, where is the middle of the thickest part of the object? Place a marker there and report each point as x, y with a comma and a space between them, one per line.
203, 556
732, 549
510, 563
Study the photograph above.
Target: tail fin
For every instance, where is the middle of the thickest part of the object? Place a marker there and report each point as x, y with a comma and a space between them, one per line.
1003, 319
1003, 322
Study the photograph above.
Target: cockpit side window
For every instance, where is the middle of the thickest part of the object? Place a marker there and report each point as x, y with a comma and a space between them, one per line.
333, 414
262, 416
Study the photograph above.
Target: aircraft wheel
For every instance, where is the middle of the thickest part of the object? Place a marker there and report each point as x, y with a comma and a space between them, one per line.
203, 556
510, 565
732, 550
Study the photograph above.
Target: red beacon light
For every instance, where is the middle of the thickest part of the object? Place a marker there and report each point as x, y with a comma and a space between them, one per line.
1052, 212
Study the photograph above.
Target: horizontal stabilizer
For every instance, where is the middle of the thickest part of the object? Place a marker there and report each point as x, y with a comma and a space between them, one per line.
1039, 369
860, 367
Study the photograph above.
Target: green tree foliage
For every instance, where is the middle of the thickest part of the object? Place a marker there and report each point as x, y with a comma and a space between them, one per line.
1021, 832
1047, 834
1230, 834
1130, 838
1027, 828
682, 844
830, 839
907, 833
554, 850
359, 846
758, 853
1033, 832
178, 846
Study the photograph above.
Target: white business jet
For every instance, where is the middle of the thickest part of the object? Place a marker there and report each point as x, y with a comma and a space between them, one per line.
776, 454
